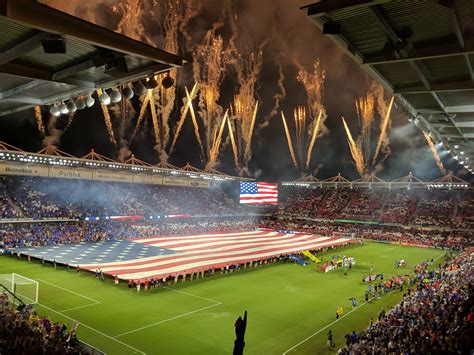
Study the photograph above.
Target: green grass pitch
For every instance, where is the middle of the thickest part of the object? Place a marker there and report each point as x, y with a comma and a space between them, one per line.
290, 307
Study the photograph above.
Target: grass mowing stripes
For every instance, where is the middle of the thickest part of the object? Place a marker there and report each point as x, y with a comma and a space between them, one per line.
287, 304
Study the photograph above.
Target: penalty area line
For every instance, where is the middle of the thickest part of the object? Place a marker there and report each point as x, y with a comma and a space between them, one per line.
65, 289
95, 330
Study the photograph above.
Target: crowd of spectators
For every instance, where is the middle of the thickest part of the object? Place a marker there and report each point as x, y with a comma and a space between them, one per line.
23, 331
36, 234
436, 318
53, 198
422, 207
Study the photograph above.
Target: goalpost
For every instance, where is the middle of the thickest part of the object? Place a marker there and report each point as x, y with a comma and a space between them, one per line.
21, 287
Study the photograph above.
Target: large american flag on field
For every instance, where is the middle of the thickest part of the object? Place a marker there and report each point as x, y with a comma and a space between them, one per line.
165, 256
258, 193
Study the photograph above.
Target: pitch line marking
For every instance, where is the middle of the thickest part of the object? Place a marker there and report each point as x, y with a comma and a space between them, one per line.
216, 303
95, 330
65, 289
167, 320
74, 308
320, 330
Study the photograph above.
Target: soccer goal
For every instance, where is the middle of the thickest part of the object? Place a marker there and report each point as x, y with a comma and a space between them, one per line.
20, 287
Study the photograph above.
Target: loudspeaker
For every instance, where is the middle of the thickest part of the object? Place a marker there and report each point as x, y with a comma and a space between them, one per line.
332, 28
54, 44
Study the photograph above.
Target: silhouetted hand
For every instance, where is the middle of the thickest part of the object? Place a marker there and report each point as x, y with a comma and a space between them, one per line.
240, 326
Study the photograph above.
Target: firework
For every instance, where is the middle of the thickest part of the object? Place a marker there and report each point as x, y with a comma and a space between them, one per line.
217, 142
107, 120
193, 117
234, 145
290, 143
313, 140
70, 118
39, 120
247, 153
299, 116
154, 118
383, 130
356, 151
184, 113
366, 114
141, 115
435, 153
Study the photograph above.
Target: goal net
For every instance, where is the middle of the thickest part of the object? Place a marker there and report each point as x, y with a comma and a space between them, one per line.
19, 287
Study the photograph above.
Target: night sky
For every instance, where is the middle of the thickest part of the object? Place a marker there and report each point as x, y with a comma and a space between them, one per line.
295, 41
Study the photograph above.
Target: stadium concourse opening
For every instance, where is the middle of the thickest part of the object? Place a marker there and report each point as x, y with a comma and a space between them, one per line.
149, 206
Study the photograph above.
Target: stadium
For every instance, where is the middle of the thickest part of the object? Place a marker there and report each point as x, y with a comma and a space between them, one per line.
271, 177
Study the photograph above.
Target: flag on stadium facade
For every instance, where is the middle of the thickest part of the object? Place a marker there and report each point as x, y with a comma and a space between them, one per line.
258, 193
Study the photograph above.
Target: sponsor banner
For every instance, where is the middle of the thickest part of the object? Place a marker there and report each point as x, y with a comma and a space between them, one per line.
70, 173
175, 181
23, 169
147, 179
199, 183
102, 175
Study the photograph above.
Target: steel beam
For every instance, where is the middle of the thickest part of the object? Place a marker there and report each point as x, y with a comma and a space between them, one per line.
23, 47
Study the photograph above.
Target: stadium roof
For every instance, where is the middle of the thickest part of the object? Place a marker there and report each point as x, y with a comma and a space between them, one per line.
421, 51
94, 56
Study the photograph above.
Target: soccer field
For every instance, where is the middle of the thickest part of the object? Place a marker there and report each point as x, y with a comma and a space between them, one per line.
290, 307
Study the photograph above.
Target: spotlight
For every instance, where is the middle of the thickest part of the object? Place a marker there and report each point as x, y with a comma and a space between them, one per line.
54, 111
63, 108
127, 93
167, 81
90, 101
71, 106
80, 104
151, 83
115, 96
139, 89
456, 146
104, 98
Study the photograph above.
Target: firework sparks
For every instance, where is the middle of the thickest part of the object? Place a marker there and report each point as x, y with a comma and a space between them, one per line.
383, 130
435, 153
70, 118
141, 115
299, 116
39, 120
313, 140
356, 151
107, 120
217, 143
290, 143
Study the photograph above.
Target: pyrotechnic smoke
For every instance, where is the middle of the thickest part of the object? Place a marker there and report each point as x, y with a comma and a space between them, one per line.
383, 130
356, 151
107, 120
52, 139
154, 118
278, 97
39, 120
141, 115
70, 118
435, 152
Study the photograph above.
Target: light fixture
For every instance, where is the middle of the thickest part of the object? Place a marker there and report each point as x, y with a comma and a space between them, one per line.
127, 93
71, 106
63, 108
139, 89
456, 146
80, 104
115, 96
54, 110
104, 98
167, 81
462, 153
90, 101
151, 83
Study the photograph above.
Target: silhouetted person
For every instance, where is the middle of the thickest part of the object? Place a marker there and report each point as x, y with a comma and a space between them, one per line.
239, 343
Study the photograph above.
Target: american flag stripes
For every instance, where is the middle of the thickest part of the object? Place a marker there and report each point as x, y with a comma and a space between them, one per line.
195, 253
258, 193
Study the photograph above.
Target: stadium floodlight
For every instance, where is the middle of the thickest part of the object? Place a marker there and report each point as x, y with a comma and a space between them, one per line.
115, 96
127, 93
456, 146
104, 98
90, 101
456, 157
71, 106
462, 152
63, 108
139, 89
151, 83
54, 110
167, 81
80, 104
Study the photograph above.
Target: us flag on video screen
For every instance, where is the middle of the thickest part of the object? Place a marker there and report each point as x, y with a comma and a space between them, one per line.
258, 193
